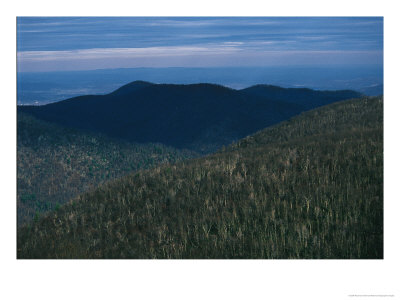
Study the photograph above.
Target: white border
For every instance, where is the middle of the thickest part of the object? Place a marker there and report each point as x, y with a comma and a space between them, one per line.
207, 279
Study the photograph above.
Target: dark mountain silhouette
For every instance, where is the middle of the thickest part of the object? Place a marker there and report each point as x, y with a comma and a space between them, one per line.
305, 97
201, 117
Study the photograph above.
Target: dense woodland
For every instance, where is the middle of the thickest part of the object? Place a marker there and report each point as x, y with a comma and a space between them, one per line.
56, 164
310, 187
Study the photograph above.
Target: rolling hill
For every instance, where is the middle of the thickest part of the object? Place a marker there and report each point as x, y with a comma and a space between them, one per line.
200, 117
309, 187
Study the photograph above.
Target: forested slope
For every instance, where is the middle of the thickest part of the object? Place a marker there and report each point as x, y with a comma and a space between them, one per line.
55, 164
310, 187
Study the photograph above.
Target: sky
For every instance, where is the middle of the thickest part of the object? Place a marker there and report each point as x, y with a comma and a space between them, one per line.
89, 43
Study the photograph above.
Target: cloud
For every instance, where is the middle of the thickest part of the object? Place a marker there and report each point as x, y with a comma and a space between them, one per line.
181, 23
79, 43
226, 54
36, 34
97, 53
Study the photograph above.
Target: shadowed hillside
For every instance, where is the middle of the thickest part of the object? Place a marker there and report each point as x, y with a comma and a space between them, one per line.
310, 187
55, 164
200, 117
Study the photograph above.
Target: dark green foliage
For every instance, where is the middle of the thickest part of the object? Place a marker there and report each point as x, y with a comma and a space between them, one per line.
27, 198
56, 164
311, 187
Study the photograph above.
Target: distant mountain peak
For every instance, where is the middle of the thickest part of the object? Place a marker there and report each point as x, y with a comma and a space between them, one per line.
132, 87
140, 82
275, 87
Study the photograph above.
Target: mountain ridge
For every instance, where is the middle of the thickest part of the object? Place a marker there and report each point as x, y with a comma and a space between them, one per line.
200, 117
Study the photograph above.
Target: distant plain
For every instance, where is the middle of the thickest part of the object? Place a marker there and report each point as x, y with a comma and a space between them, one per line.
45, 87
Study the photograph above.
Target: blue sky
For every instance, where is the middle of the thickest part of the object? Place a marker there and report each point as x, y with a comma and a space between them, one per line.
64, 44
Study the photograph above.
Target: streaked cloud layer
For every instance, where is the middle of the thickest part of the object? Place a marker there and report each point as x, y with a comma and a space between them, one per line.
50, 44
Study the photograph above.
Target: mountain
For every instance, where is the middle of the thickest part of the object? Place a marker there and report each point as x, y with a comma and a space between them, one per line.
306, 98
309, 187
56, 164
200, 117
